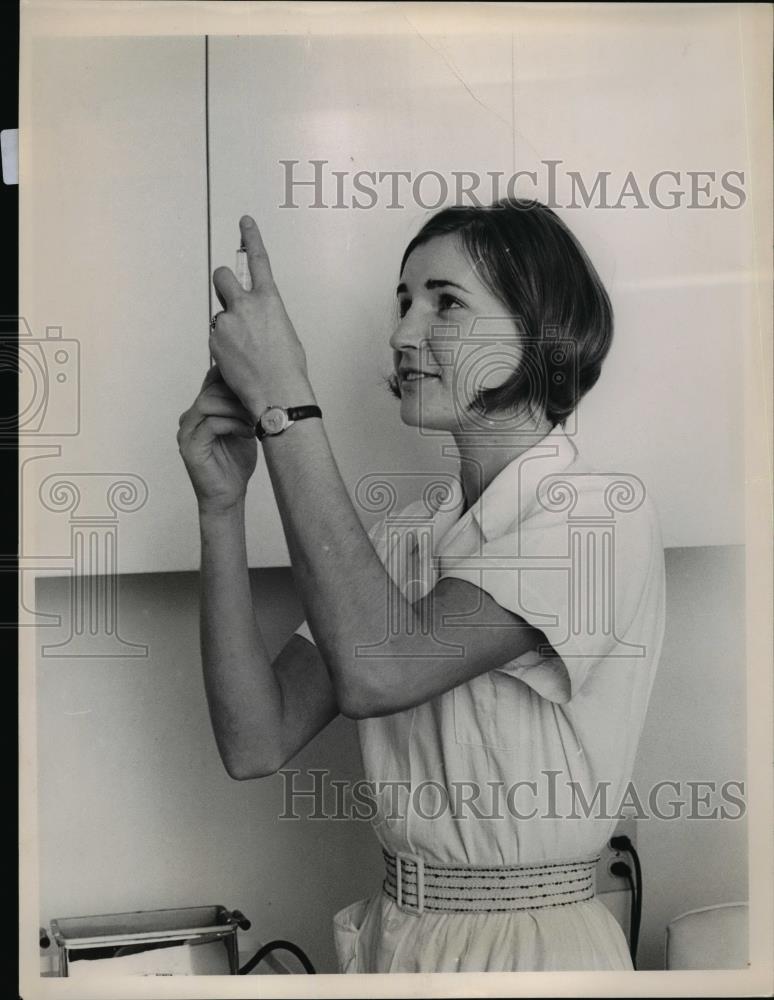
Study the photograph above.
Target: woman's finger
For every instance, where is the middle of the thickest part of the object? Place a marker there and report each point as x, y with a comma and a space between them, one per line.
213, 375
213, 406
220, 390
212, 403
227, 286
197, 425
214, 426
215, 384
257, 258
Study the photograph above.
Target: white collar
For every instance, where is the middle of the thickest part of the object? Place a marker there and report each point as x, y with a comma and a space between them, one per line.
512, 494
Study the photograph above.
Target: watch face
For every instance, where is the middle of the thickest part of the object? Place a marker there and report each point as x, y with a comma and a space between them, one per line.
274, 420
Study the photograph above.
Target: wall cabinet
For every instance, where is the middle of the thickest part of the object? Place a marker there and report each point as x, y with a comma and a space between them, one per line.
114, 234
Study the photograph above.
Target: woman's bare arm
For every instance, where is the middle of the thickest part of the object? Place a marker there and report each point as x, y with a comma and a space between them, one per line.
352, 603
346, 591
262, 712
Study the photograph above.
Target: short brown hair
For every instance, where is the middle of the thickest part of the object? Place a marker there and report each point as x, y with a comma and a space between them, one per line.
538, 269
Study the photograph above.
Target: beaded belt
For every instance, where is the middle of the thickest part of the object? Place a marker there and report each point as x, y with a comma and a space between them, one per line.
416, 886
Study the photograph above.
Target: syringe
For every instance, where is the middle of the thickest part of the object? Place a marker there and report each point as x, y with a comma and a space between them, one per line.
242, 269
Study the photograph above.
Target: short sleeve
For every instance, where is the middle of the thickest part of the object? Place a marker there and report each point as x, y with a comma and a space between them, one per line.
584, 625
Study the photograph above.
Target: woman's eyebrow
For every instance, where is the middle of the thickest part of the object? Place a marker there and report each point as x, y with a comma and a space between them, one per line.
432, 283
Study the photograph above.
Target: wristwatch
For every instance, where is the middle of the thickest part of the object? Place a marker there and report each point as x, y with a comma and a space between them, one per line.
276, 419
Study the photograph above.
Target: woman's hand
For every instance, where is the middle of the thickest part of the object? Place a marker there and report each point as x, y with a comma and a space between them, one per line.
218, 445
253, 340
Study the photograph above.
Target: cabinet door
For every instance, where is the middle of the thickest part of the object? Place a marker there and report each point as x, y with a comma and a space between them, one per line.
289, 111
115, 224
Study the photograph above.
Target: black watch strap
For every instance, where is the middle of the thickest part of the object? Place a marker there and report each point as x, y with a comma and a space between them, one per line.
302, 412
294, 414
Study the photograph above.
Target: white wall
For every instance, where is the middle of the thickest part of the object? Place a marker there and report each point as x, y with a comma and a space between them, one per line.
695, 730
114, 227
137, 812
135, 808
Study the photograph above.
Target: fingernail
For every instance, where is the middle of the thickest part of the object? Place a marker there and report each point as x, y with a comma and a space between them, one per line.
246, 220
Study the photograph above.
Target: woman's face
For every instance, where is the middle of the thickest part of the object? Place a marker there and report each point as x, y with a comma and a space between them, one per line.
453, 338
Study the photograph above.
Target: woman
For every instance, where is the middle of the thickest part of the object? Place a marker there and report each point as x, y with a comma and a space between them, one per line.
497, 647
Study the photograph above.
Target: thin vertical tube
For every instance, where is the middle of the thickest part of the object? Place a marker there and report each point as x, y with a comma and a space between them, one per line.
207, 174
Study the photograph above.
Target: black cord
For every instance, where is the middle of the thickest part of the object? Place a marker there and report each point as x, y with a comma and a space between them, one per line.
623, 843
638, 908
622, 870
264, 950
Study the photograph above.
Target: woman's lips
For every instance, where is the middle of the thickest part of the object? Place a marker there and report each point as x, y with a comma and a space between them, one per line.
416, 376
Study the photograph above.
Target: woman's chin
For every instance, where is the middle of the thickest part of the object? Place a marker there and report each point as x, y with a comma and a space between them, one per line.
411, 411
413, 416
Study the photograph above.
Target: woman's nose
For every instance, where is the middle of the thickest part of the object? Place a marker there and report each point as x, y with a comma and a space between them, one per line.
411, 331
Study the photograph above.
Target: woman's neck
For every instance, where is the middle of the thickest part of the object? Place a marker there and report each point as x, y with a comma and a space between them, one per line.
483, 457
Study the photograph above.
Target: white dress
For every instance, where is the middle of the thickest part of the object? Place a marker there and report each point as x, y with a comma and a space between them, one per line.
578, 554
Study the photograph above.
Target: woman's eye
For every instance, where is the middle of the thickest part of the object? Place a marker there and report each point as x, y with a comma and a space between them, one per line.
447, 302
403, 307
